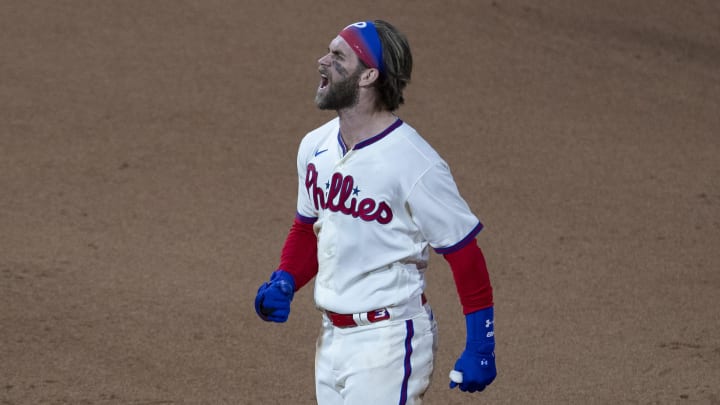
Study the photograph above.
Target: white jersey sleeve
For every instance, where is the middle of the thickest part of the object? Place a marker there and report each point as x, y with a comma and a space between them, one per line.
441, 214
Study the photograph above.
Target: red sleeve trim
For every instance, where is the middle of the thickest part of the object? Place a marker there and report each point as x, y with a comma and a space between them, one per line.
299, 254
472, 280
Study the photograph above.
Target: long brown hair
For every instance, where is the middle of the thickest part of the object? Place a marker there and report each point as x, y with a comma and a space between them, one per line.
398, 62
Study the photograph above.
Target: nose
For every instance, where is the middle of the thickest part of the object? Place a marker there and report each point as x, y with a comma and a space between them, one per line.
324, 60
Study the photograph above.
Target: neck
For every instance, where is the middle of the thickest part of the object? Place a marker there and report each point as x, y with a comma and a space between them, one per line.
357, 125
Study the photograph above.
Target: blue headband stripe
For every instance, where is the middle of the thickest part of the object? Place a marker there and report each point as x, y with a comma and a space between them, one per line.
364, 40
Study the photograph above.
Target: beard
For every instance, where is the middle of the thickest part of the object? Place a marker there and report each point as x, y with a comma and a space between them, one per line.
340, 95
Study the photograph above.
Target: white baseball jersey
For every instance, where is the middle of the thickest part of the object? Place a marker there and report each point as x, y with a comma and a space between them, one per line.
376, 209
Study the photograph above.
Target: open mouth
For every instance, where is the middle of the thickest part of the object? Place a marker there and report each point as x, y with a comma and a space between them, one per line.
323, 81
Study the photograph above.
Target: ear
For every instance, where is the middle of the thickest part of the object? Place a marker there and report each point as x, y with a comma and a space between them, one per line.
368, 77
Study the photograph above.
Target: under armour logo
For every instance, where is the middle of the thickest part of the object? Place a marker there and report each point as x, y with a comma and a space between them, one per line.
484, 362
488, 323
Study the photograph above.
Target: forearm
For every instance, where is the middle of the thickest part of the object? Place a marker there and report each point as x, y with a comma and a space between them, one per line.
472, 280
299, 253
475, 368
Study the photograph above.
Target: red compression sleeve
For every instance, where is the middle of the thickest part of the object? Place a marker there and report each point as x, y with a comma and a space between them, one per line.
471, 277
299, 254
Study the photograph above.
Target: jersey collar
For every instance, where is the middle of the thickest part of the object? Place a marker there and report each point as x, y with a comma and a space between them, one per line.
372, 139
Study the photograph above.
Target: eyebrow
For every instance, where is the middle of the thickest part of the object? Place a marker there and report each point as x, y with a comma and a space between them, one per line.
336, 52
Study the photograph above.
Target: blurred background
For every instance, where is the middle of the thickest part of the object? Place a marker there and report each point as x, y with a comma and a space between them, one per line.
148, 181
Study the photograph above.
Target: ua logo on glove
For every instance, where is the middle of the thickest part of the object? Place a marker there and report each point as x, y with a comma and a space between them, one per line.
475, 369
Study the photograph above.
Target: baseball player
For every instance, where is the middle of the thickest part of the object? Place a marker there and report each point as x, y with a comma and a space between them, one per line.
373, 198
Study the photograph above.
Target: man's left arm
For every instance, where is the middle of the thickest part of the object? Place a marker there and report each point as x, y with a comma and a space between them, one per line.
475, 369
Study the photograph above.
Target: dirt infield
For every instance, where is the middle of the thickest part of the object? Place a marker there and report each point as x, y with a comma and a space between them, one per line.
147, 182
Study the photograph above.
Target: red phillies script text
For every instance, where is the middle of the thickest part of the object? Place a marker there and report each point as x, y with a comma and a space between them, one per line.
339, 198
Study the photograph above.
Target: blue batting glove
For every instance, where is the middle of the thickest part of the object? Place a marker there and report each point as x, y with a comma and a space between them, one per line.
272, 302
475, 369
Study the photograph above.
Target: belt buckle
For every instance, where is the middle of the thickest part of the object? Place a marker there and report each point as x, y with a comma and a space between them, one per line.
378, 315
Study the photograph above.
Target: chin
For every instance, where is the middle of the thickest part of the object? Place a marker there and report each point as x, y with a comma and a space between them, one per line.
321, 102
